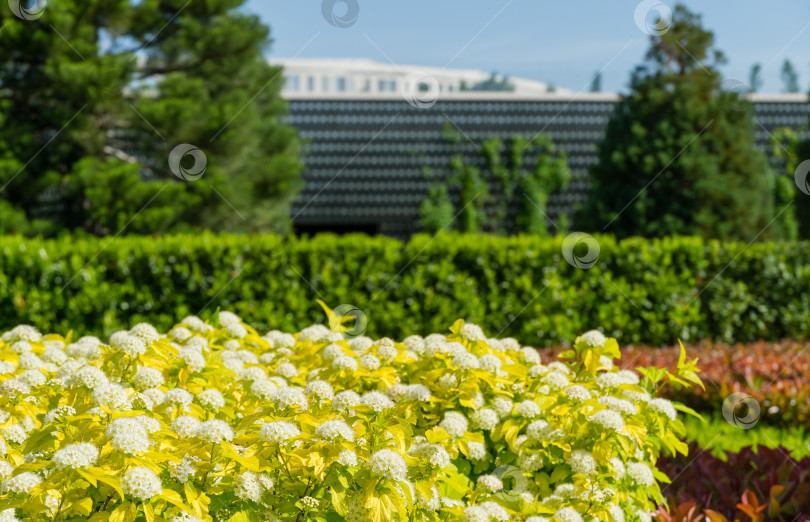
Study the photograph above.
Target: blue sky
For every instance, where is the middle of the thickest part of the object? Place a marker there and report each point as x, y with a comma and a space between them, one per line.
559, 42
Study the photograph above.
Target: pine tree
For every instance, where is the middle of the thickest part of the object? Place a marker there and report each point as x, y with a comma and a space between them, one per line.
95, 95
596, 82
678, 156
755, 78
790, 77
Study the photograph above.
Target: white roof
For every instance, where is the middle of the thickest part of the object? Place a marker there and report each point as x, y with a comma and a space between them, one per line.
525, 89
369, 68
462, 96
511, 96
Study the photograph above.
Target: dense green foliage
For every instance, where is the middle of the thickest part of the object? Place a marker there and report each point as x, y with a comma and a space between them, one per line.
789, 148
94, 95
652, 291
678, 156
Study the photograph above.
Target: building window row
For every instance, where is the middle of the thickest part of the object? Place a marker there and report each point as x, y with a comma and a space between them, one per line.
309, 82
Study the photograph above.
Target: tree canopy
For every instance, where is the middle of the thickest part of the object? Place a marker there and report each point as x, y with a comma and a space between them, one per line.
96, 94
678, 156
790, 77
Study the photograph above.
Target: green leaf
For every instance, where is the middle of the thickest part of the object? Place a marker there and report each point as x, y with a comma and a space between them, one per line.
111, 480
686, 409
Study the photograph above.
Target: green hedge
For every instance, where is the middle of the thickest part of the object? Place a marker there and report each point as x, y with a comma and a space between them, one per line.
655, 291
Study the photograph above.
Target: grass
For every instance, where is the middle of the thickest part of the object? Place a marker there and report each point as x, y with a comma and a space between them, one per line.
718, 436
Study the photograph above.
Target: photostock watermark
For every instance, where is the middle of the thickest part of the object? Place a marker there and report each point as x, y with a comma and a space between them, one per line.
514, 483
340, 13
27, 9
343, 314
195, 171
802, 176
741, 410
737, 103
421, 90
572, 250
653, 17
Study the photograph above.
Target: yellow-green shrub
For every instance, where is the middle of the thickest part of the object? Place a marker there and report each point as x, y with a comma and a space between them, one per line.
220, 423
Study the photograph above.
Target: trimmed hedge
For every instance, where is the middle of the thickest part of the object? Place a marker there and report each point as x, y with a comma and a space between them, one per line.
640, 290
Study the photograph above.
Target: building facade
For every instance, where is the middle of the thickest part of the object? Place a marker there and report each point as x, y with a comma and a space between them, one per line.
340, 77
366, 154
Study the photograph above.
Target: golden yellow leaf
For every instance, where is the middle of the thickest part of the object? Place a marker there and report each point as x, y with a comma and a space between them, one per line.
148, 512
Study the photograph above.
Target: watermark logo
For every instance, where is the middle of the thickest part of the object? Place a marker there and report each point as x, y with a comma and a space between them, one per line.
802, 176
193, 172
738, 103
580, 250
340, 13
421, 90
741, 410
27, 9
514, 483
348, 320
653, 17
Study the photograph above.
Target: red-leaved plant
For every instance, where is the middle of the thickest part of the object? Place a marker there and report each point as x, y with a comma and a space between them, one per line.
766, 485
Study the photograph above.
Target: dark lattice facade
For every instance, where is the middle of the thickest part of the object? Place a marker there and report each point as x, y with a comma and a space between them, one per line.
365, 157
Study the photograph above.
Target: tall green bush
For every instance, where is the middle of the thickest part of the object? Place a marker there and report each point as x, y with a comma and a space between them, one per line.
678, 155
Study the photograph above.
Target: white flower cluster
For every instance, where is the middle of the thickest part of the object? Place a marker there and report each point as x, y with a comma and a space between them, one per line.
79, 455
388, 463
141, 483
260, 418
